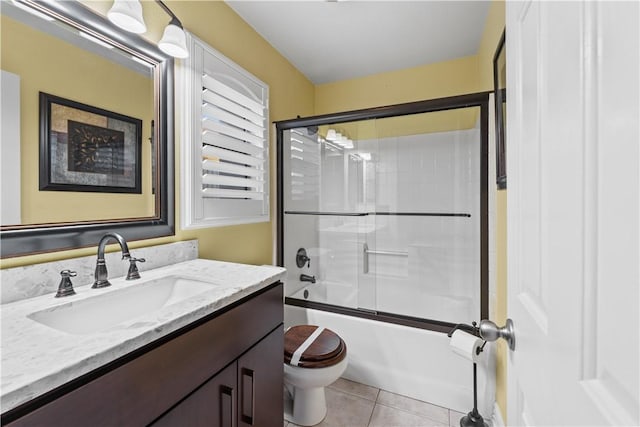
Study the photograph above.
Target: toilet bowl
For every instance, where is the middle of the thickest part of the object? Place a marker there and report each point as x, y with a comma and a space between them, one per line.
314, 357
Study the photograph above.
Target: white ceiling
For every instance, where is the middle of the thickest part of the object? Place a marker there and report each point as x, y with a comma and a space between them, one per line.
336, 40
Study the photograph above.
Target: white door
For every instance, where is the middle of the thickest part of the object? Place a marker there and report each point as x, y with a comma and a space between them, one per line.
573, 218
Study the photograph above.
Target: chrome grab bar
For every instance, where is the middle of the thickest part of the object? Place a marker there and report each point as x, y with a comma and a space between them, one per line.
395, 253
366, 251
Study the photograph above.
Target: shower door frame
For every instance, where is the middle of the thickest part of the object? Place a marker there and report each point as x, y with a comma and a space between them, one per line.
481, 100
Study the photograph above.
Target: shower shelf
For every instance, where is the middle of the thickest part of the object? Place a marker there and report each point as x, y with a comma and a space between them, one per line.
439, 214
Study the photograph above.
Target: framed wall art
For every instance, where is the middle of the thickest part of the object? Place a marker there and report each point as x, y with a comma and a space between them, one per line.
85, 148
500, 89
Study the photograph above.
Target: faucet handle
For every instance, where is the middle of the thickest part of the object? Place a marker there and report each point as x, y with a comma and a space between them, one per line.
65, 287
133, 272
302, 258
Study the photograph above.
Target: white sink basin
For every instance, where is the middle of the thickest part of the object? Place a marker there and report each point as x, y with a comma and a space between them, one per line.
103, 311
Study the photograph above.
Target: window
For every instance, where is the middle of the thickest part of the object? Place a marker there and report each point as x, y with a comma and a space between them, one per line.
225, 143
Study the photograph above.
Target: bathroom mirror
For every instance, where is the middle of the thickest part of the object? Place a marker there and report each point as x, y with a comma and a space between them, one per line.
67, 52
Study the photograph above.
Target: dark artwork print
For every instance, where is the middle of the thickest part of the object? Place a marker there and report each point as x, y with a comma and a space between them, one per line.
95, 149
86, 148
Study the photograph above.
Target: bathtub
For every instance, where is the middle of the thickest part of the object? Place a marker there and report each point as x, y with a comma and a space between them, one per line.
413, 362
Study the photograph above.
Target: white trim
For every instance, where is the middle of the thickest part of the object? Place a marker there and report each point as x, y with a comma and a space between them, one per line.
496, 418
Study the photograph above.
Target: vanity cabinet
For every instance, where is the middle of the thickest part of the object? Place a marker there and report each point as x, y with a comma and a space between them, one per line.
222, 370
242, 394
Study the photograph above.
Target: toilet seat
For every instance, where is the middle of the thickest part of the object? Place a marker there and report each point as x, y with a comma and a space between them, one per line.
327, 349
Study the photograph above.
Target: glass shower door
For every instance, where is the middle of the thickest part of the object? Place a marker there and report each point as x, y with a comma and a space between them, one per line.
322, 186
426, 252
392, 211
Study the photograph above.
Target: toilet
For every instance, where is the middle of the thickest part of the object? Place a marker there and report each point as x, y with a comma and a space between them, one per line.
314, 357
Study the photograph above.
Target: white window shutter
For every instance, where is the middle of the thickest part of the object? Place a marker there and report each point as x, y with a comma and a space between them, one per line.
225, 143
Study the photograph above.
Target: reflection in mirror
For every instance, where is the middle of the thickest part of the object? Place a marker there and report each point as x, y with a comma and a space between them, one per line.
70, 163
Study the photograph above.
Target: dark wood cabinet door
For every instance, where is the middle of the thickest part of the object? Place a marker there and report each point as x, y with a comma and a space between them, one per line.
211, 405
260, 376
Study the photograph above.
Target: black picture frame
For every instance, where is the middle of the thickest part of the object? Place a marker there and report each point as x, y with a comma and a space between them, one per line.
88, 149
500, 91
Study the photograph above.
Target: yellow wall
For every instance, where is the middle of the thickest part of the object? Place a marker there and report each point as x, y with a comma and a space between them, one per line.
290, 94
438, 80
78, 75
415, 124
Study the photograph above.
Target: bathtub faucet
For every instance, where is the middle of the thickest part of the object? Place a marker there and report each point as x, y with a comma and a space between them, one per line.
305, 278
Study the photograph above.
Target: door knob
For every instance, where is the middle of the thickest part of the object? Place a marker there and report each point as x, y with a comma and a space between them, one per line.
489, 331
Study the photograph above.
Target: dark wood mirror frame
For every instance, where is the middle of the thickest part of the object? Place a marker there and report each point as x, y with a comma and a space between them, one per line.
500, 101
39, 238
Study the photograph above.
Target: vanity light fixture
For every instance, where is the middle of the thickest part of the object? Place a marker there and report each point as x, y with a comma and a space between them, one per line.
127, 14
173, 41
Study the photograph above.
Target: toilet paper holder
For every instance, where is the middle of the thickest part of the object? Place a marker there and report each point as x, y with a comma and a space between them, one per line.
489, 331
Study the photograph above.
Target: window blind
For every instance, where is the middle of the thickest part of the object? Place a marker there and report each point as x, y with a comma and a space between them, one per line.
228, 142
232, 143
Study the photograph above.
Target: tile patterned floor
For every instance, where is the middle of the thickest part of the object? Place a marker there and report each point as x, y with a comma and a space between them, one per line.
351, 404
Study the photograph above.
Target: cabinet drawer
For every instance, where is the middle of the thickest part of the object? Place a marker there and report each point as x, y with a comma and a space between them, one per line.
140, 389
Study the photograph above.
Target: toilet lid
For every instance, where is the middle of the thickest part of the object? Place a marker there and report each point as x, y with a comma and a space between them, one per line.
307, 347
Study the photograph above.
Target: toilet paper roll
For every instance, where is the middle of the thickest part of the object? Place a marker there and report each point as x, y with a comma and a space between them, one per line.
464, 344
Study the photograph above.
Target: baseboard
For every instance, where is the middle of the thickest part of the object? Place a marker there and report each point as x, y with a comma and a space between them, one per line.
496, 418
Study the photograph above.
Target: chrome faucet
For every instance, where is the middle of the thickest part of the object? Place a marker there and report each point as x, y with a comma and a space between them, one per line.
65, 288
305, 278
101, 266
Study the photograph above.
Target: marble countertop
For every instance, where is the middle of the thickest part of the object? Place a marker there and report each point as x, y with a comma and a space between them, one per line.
37, 358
